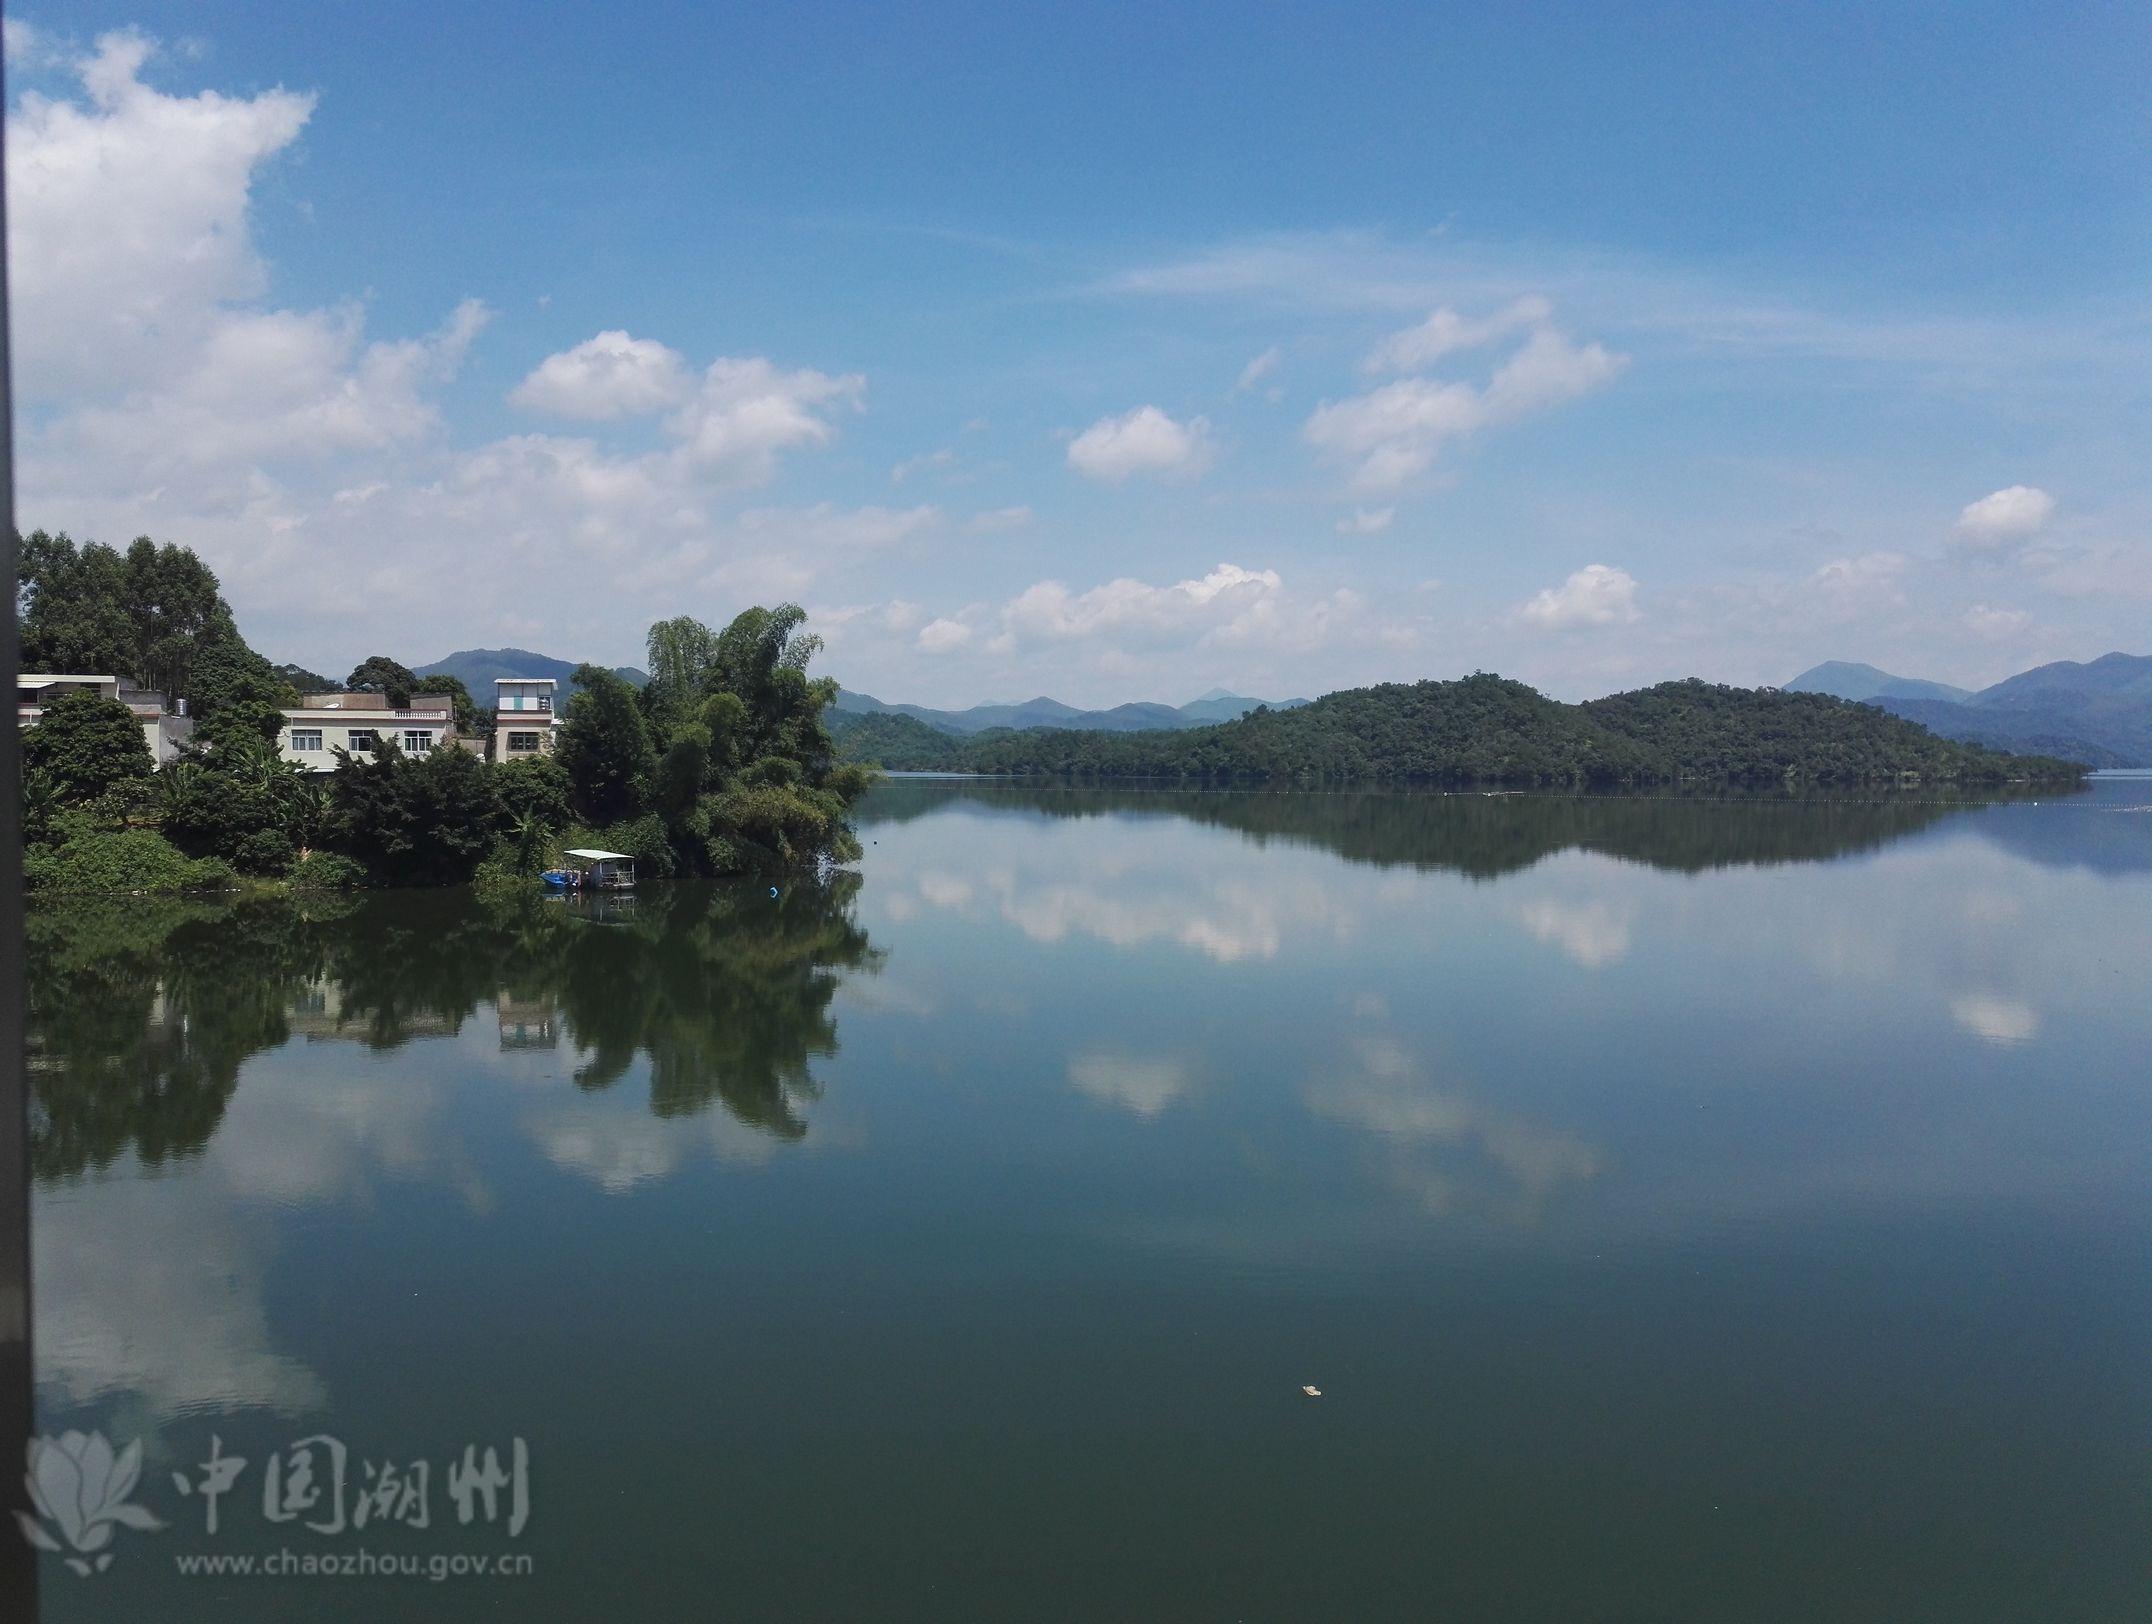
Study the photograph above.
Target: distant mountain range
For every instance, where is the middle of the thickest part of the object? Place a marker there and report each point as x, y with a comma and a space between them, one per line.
1136, 717
2098, 711
478, 668
1866, 684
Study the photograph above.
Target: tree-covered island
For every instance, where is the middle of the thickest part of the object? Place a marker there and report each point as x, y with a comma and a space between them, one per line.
1486, 729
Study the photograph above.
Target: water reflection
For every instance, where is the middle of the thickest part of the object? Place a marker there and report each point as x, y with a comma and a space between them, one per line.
142, 1012
1563, 1179
1487, 835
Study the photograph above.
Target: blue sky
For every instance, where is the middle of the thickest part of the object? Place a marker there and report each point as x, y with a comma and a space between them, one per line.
1112, 352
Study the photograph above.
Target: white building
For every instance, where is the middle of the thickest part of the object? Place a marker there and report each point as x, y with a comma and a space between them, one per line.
164, 732
323, 724
524, 717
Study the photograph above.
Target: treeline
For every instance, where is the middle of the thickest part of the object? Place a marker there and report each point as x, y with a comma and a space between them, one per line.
721, 765
1489, 730
156, 618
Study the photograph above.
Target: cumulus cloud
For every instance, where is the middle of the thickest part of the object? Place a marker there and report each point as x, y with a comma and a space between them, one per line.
1446, 332
1143, 441
127, 221
943, 636
1227, 596
2003, 517
1392, 434
1366, 521
749, 410
1596, 595
610, 376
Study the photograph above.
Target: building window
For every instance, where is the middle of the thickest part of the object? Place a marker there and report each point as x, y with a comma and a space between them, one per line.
522, 744
417, 744
306, 738
362, 738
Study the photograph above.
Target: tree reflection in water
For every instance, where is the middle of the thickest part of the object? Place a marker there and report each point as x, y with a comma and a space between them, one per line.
143, 1010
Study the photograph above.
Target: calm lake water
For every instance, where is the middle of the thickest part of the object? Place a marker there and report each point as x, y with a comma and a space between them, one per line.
1688, 1210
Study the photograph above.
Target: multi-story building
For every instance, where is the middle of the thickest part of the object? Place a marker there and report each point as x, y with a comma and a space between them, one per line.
163, 730
524, 717
323, 724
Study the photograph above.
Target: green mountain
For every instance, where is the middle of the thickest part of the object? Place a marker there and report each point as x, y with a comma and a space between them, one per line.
1849, 680
1215, 706
478, 668
1484, 729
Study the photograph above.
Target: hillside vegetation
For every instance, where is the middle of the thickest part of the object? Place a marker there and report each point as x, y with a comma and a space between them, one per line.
1487, 729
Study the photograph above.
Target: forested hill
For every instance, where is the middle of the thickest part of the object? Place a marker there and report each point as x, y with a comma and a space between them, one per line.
1487, 729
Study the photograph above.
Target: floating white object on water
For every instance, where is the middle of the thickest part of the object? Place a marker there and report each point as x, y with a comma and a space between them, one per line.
1313, 1392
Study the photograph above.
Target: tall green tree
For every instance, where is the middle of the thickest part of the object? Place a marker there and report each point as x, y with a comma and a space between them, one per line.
467, 712
681, 653
605, 747
236, 694
175, 607
84, 745
378, 674
74, 607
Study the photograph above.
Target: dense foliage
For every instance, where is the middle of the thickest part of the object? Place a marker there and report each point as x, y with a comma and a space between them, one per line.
1486, 729
723, 759
724, 765
85, 746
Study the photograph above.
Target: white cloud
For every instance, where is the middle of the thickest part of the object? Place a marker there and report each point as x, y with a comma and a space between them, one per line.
127, 217
612, 375
748, 411
1259, 369
943, 636
2002, 517
998, 521
1366, 521
1391, 435
1227, 596
1446, 332
1852, 586
1143, 441
1597, 595
921, 464
1984, 621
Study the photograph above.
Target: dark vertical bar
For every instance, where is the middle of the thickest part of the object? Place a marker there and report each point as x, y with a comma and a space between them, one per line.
18, 1563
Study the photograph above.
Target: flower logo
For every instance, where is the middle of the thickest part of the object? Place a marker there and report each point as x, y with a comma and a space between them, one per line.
81, 1487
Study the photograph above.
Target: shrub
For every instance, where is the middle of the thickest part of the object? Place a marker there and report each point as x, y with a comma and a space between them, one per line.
326, 871
121, 860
